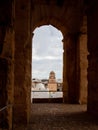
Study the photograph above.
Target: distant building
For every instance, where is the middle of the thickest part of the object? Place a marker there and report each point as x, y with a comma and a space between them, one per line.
45, 82
59, 84
46, 88
38, 85
52, 85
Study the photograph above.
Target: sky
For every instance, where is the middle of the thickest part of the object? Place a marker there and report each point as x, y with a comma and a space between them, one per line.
47, 52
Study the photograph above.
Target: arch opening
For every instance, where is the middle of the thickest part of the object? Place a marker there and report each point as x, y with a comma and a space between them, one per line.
47, 57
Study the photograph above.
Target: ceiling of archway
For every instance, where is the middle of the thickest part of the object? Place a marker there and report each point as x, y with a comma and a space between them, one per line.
64, 14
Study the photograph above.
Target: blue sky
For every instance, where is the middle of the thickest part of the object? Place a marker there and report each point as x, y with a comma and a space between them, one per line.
47, 52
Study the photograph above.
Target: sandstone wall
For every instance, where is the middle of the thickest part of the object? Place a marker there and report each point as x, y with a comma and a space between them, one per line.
92, 24
83, 52
22, 73
6, 62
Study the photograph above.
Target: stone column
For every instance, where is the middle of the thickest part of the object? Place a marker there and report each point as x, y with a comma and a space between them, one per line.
7, 78
92, 22
23, 54
83, 52
72, 67
6, 64
8, 49
65, 84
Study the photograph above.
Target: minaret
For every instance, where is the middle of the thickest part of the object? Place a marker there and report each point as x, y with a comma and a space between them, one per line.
52, 85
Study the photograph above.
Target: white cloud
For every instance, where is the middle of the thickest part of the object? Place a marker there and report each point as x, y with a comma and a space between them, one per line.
38, 58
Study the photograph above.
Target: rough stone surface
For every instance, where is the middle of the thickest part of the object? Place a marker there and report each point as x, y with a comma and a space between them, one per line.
22, 84
93, 58
83, 52
60, 117
18, 19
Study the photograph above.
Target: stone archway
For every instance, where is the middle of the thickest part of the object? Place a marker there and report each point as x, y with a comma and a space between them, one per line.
58, 25
50, 59
68, 20
17, 20
16, 24
27, 19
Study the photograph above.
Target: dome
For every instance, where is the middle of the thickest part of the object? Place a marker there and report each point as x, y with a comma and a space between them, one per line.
40, 86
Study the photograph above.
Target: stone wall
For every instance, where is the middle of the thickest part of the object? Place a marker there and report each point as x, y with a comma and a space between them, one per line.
83, 52
3, 92
22, 73
92, 17
6, 62
15, 54
72, 64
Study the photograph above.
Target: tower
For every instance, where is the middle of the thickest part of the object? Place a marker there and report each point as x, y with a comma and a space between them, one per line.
52, 85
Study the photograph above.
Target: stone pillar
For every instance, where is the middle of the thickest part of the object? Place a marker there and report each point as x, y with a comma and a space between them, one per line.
83, 62
8, 55
6, 64
65, 84
3, 92
23, 54
72, 67
7, 78
92, 22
